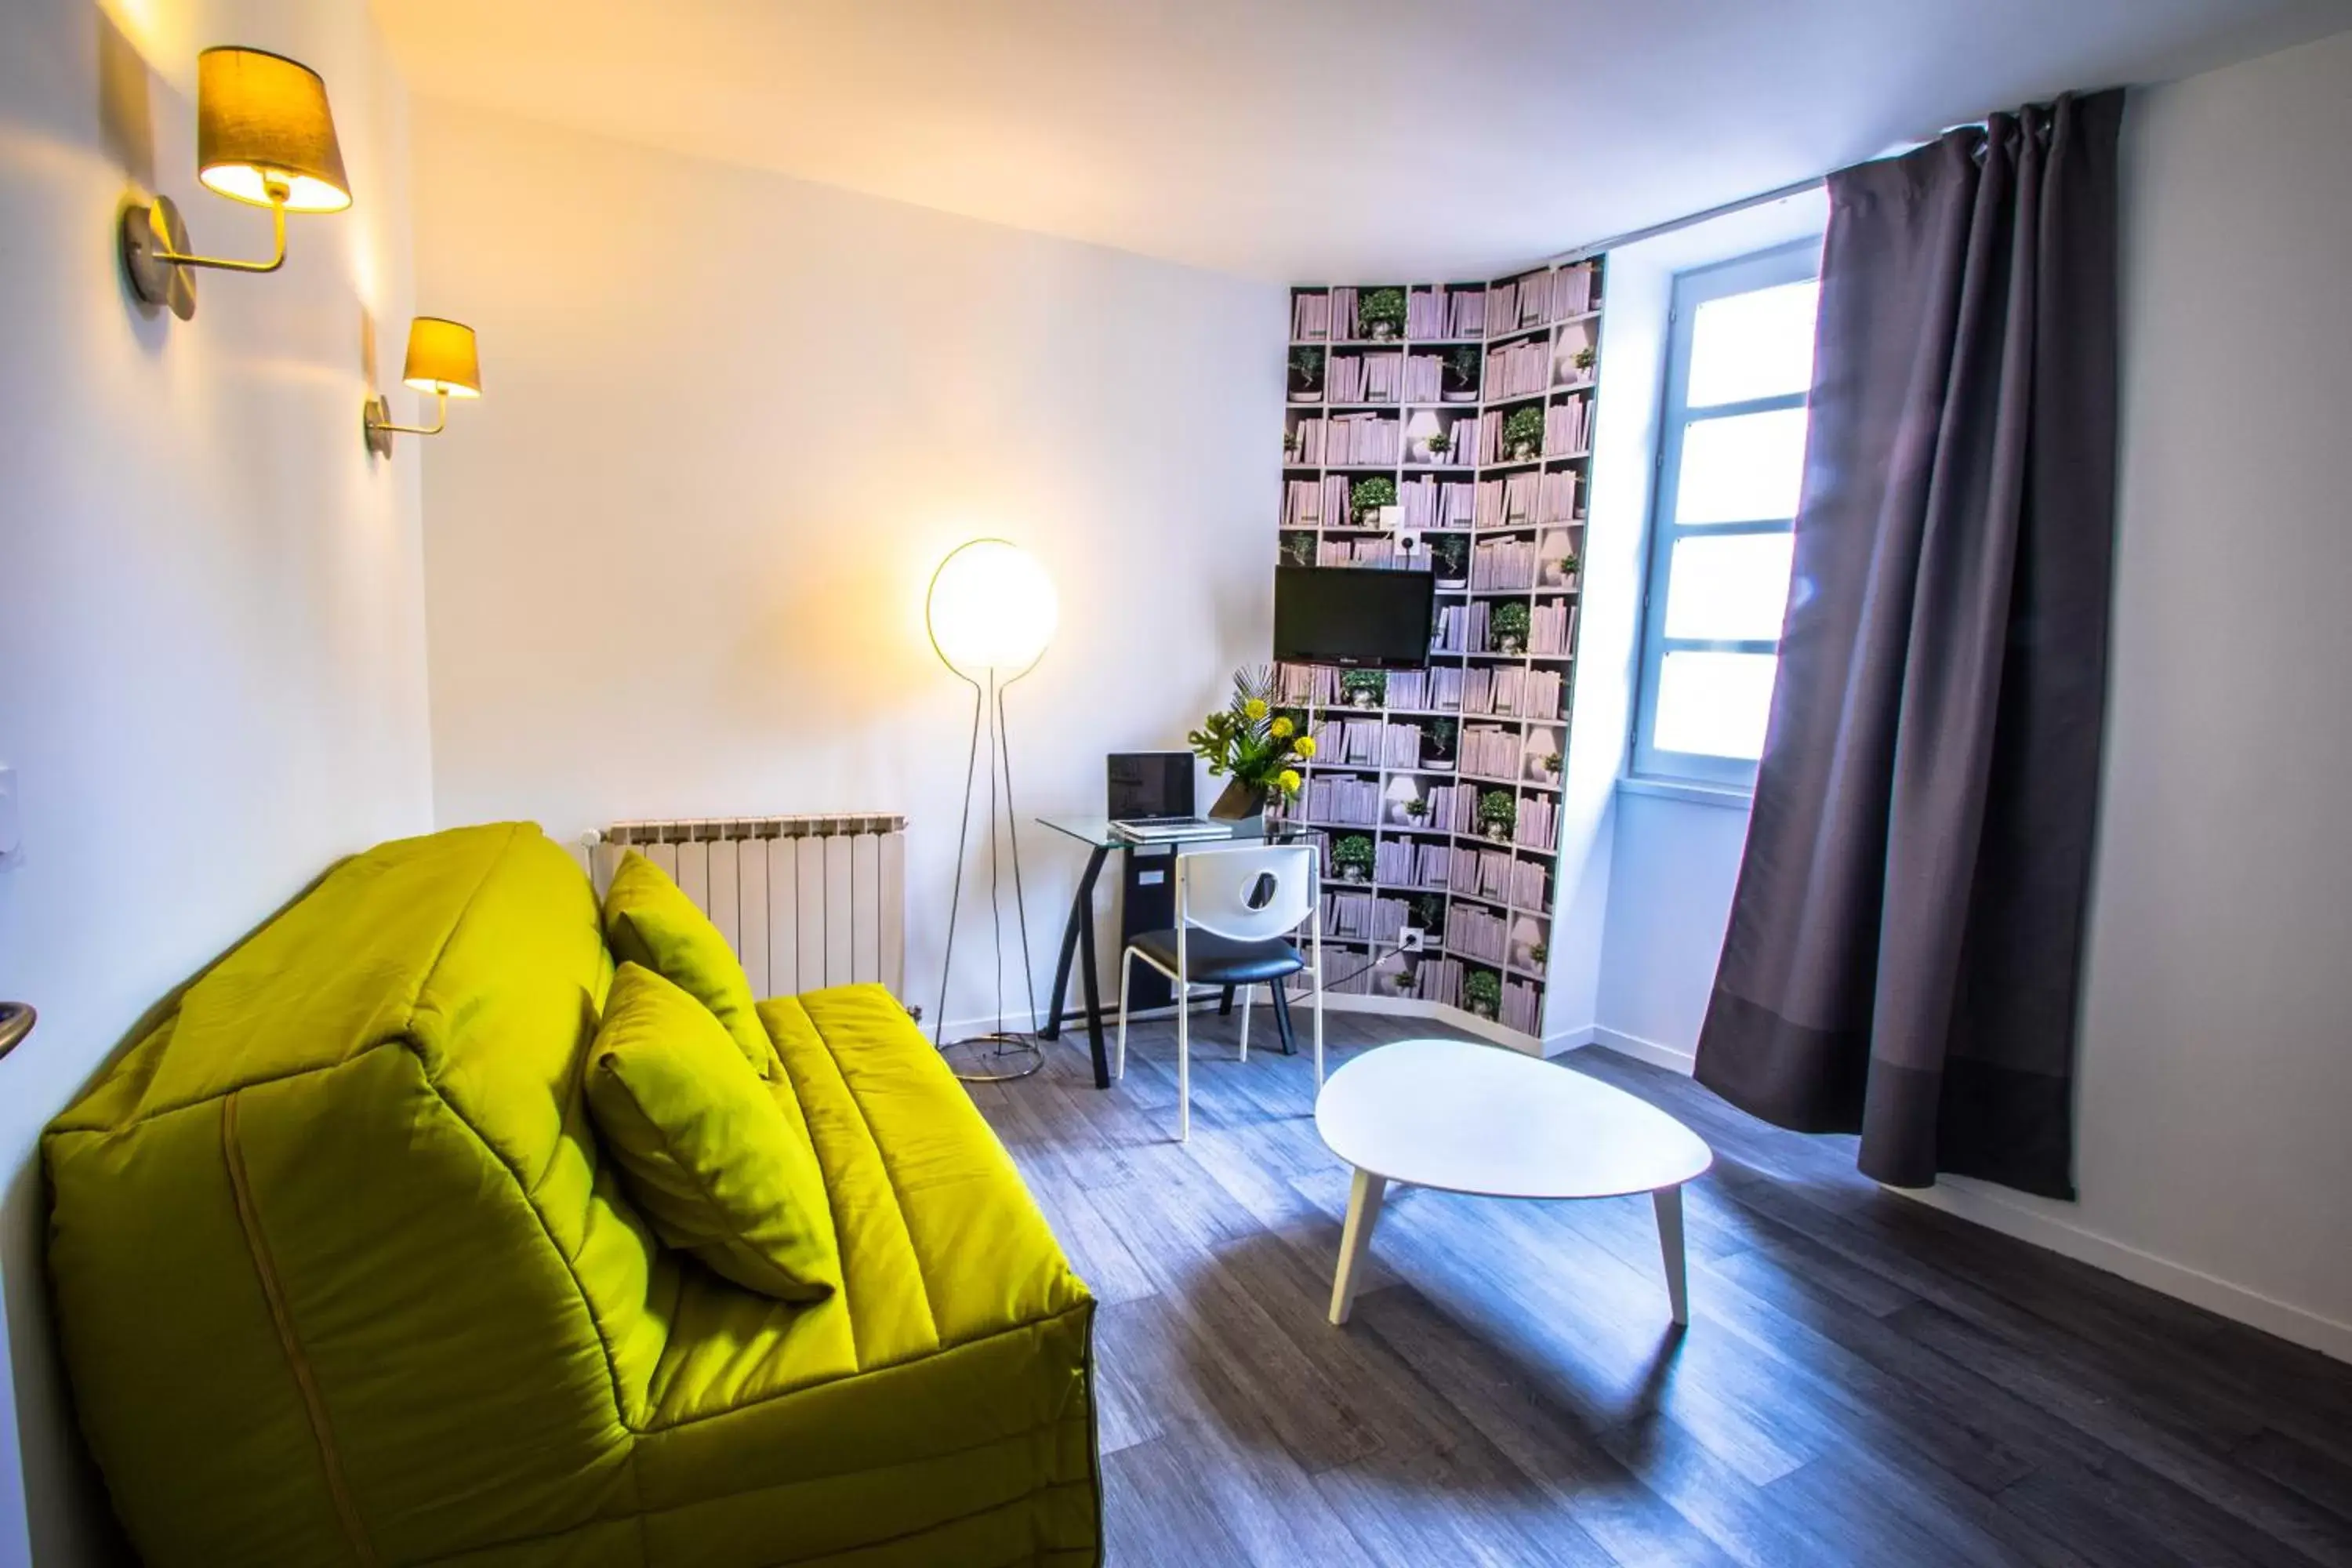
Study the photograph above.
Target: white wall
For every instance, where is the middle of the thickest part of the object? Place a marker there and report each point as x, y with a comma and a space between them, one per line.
676, 553
2213, 1159
212, 671
1677, 859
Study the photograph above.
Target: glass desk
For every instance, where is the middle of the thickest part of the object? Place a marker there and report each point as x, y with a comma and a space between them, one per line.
1078, 933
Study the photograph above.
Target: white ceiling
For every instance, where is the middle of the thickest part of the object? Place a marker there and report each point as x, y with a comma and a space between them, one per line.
1307, 139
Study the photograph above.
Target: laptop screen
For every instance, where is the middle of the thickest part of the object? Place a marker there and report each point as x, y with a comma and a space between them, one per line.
1151, 783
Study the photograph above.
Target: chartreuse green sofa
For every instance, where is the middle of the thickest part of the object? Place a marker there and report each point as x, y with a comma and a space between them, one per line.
343, 1274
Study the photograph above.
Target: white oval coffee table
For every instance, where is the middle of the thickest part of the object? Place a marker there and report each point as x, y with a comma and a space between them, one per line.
1484, 1120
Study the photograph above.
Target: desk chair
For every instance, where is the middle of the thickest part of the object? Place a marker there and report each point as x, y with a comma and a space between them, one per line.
1235, 910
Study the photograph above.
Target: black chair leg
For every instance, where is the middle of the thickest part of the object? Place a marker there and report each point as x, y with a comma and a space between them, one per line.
1282, 1018
1225, 1003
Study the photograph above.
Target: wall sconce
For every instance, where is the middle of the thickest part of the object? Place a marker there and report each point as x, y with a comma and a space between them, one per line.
442, 361
264, 136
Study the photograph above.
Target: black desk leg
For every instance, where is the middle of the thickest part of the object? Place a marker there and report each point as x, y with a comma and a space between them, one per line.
1078, 935
1093, 998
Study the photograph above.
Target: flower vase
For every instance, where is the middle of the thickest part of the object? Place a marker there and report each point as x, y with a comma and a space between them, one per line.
1238, 802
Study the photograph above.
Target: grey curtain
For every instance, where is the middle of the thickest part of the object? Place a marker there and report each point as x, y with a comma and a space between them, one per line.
1904, 949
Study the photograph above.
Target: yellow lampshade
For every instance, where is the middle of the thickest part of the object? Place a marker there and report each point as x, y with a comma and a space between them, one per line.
441, 358
262, 120
991, 607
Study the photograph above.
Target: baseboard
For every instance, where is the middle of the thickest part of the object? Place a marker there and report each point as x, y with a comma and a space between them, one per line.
1074, 1022
1980, 1204
1454, 1017
1642, 1050
1568, 1040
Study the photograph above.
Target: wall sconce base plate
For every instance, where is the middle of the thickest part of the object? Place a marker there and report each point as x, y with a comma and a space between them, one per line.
145, 231
376, 417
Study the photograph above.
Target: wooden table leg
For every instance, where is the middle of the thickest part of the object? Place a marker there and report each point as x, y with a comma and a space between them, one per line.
1356, 1239
1669, 1202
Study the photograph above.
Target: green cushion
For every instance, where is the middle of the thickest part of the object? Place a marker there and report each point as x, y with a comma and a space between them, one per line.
649, 920
703, 1146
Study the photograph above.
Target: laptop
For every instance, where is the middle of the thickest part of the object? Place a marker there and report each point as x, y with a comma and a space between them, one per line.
1150, 798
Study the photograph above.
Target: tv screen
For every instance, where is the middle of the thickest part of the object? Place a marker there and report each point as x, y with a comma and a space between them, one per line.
1352, 614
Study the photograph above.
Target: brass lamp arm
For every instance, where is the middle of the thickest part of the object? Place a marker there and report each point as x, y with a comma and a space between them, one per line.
440, 420
277, 194
379, 430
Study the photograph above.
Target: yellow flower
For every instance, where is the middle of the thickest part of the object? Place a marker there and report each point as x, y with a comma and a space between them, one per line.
1290, 781
1305, 747
1281, 729
1254, 710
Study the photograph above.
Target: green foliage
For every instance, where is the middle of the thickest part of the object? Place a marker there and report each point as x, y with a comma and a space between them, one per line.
1439, 442
1352, 852
1375, 681
1461, 368
1567, 563
1508, 619
1450, 554
1584, 357
1306, 364
1483, 988
1298, 549
1525, 427
1377, 307
1440, 735
1371, 494
1499, 808
1240, 738
1429, 912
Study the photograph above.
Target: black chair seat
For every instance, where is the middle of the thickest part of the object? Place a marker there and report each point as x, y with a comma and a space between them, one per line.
1212, 960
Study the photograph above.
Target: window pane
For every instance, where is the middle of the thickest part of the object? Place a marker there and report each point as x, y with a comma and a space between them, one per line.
1758, 344
1746, 468
1728, 589
1714, 704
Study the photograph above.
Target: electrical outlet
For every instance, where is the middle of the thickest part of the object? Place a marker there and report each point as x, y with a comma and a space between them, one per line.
11, 834
1411, 939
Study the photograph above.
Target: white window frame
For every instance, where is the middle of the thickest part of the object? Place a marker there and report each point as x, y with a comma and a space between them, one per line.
1792, 263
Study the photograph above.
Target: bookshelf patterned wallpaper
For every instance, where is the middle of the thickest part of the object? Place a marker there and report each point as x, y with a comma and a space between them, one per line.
1445, 426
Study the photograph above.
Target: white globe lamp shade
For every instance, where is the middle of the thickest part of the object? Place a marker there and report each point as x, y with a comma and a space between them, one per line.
991, 606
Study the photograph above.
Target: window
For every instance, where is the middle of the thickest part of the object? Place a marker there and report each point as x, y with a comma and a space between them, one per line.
1731, 456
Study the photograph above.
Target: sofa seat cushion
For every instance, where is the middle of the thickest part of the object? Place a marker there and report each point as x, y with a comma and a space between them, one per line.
945, 1384
940, 1244
704, 1145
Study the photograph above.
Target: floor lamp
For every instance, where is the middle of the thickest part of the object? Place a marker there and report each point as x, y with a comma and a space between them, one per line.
989, 612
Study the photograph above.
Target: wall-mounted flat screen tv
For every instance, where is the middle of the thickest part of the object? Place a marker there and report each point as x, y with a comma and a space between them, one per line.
1353, 616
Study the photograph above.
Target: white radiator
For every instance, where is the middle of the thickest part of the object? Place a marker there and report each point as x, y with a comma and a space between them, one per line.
804, 902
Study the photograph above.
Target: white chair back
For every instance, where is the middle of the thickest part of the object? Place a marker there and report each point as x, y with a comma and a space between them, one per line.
1248, 895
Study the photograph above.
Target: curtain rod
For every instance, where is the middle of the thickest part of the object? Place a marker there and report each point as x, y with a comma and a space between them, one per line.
1634, 236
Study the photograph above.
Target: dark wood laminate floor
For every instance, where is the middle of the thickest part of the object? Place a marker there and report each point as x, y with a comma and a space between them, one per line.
1865, 1380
